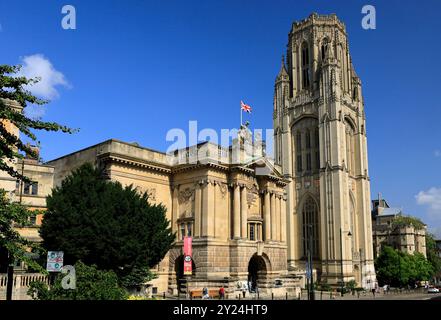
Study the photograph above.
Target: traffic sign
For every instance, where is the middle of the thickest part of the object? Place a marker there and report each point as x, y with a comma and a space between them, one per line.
54, 261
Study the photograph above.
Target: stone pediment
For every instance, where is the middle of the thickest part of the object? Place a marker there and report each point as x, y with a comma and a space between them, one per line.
263, 167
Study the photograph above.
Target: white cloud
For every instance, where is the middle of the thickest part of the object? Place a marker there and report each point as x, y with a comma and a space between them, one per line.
38, 65
432, 198
437, 153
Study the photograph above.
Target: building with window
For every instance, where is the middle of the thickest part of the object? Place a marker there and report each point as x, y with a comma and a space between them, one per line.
253, 219
321, 146
391, 228
230, 201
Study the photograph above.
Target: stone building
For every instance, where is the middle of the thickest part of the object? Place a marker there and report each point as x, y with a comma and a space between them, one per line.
232, 206
388, 229
321, 146
251, 218
33, 195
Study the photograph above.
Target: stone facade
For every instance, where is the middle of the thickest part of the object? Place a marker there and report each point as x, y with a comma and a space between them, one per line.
321, 145
406, 238
252, 219
235, 216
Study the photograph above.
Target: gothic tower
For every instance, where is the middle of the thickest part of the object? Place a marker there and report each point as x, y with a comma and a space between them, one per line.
320, 144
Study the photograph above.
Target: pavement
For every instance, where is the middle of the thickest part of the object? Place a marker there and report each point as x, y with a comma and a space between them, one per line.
421, 295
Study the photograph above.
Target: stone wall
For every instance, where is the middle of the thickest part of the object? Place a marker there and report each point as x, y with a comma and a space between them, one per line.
21, 285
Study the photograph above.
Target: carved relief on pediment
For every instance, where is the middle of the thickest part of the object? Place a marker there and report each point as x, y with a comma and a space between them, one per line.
186, 200
252, 194
223, 189
150, 191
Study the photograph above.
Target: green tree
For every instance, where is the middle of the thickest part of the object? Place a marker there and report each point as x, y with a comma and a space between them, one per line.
432, 254
91, 284
13, 90
401, 221
398, 268
388, 267
13, 214
103, 223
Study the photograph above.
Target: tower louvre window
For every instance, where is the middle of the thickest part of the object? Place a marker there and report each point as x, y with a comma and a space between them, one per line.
299, 163
299, 142
305, 66
324, 48
308, 140
308, 162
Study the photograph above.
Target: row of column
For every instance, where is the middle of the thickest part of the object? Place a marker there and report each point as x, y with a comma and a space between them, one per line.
274, 215
274, 206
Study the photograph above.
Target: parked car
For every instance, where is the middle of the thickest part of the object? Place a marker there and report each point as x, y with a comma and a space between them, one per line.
433, 290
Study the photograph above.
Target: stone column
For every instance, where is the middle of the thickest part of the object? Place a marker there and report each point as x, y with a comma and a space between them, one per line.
277, 238
267, 216
236, 212
208, 210
197, 211
283, 220
175, 210
273, 216
243, 212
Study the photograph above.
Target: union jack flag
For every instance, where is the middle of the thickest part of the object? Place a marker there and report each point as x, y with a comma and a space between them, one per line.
245, 107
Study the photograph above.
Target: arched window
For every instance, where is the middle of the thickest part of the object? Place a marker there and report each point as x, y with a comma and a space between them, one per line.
299, 151
310, 228
324, 49
305, 66
308, 139
306, 151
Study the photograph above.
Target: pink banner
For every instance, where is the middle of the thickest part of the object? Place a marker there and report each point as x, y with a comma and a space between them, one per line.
187, 256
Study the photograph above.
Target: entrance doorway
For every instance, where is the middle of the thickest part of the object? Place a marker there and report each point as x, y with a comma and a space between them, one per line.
181, 280
256, 272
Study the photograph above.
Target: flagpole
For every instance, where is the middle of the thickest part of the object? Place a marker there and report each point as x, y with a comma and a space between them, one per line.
241, 115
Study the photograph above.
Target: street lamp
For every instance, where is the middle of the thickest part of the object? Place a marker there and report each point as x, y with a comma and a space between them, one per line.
341, 256
311, 282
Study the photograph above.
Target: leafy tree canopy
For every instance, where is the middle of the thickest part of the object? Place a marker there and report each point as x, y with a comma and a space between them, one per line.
91, 284
103, 223
399, 269
14, 97
432, 253
401, 221
12, 214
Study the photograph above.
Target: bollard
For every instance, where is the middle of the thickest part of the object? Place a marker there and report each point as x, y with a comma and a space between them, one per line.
321, 295
286, 295
163, 295
300, 294
272, 296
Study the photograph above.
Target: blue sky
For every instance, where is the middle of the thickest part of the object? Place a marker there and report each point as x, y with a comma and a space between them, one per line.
134, 69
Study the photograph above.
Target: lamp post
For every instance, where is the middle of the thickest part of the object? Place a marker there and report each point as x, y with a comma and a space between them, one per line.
341, 258
311, 282
361, 268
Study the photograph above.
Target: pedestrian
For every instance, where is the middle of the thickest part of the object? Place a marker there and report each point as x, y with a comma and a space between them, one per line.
244, 289
222, 293
205, 294
373, 292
